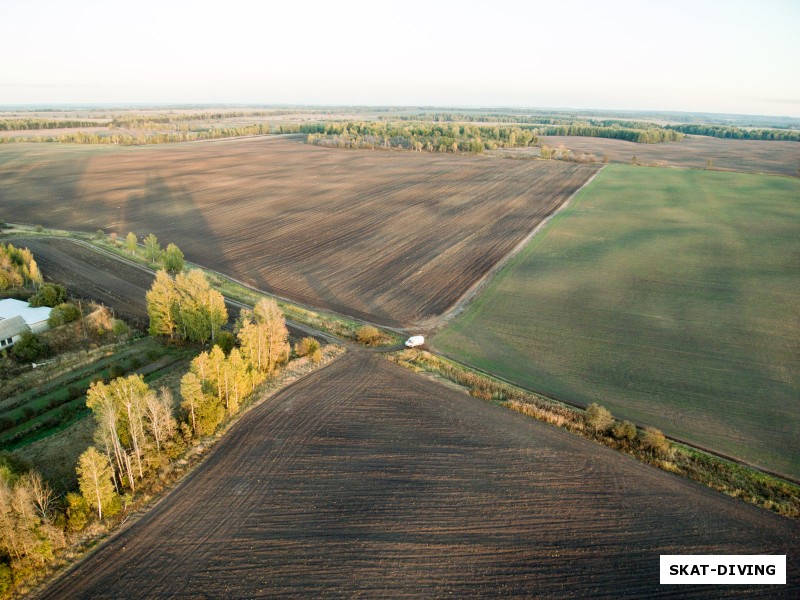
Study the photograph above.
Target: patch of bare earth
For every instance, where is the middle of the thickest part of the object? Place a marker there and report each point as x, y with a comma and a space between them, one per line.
364, 479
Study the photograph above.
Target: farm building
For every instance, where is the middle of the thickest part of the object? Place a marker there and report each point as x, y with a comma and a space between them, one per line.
11, 330
35, 318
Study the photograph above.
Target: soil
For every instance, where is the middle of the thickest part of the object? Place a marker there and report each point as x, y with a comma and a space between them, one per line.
364, 479
747, 156
388, 237
95, 276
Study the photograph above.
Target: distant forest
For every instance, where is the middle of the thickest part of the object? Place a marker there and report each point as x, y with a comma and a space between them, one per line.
426, 130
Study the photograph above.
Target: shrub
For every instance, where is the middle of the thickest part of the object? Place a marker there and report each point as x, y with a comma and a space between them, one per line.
624, 431
77, 512
654, 440
120, 327
306, 346
598, 417
367, 334
50, 294
6, 578
39, 229
30, 348
316, 356
63, 313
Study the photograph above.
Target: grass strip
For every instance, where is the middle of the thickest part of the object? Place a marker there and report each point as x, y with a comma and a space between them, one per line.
734, 479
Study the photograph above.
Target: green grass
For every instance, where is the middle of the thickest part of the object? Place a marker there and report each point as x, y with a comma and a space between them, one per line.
670, 297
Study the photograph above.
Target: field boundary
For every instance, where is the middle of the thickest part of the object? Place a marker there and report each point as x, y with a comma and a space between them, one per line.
435, 323
716, 471
583, 407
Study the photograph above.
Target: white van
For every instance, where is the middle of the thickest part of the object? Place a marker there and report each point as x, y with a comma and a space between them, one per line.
415, 340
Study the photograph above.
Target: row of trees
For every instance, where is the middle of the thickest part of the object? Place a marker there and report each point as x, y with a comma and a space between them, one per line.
145, 121
737, 133
429, 137
649, 135
171, 257
18, 269
127, 139
463, 137
36, 123
137, 433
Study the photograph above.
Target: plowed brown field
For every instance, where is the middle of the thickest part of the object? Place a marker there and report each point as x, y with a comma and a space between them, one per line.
392, 237
364, 479
747, 156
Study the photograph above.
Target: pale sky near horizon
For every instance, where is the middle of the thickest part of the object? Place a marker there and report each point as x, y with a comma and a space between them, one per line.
710, 56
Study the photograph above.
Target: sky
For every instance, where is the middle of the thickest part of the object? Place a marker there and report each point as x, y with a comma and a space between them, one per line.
701, 55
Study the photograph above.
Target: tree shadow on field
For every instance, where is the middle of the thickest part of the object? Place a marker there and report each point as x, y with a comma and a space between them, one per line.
43, 191
170, 212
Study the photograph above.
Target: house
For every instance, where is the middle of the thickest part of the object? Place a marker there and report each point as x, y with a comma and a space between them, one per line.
11, 330
35, 318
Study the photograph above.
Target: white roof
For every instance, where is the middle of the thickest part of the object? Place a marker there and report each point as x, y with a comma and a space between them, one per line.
11, 308
12, 327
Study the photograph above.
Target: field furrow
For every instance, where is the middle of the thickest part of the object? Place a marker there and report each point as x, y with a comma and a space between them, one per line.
366, 479
387, 236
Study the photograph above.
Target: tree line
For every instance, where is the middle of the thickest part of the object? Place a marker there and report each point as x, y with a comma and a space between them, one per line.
428, 137
649, 135
140, 432
32, 124
737, 133
433, 136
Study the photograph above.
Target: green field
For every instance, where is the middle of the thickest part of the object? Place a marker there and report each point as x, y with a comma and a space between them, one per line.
671, 297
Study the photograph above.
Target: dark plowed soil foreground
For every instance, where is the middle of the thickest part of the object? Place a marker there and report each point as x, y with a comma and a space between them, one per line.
364, 479
387, 236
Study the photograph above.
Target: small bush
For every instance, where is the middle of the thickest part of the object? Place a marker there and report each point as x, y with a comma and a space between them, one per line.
654, 440
316, 356
120, 327
6, 578
624, 431
63, 314
77, 512
115, 371
367, 334
598, 417
306, 346
50, 294
39, 229
30, 348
